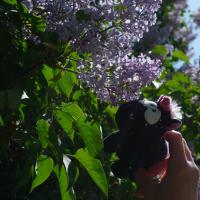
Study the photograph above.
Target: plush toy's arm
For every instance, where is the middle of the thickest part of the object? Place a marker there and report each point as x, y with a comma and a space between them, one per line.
111, 142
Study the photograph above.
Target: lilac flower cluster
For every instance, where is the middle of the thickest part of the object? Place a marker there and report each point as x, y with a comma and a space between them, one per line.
106, 29
123, 82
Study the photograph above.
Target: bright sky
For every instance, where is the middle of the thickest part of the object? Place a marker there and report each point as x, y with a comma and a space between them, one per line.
193, 6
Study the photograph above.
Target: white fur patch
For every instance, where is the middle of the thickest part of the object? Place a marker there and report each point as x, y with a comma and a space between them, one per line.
176, 110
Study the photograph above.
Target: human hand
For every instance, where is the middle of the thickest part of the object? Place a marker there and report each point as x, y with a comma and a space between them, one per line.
182, 174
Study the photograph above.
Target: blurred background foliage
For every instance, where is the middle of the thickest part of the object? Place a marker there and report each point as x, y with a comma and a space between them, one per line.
52, 126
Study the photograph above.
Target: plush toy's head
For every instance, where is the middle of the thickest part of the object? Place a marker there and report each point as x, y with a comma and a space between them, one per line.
139, 141
136, 114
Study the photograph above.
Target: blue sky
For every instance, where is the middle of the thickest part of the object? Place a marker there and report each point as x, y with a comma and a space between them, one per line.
193, 6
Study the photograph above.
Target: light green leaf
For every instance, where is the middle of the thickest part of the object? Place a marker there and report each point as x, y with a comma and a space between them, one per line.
65, 121
63, 180
74, 111
48, 74
1, 121
66, 83
11, 2
160, 50
43, 171
94, 169
91, 136
181, 77
181, 55
43, 130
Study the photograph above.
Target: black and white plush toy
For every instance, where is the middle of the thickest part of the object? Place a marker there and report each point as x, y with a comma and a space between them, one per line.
139, 141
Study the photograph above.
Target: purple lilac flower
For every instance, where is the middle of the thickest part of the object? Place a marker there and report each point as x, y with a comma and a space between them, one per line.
125, 81
106, 30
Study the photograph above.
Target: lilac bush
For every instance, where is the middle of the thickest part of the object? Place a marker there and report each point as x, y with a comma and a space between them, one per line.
175, 27
105, 29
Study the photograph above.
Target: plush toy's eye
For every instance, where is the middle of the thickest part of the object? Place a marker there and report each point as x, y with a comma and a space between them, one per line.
152, 114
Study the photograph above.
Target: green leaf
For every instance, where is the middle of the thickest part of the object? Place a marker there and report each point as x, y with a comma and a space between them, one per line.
38, 23
48, 74
181, 77
43, 130
73, 173
175, 86
65, 121
94, 169
1, 121
11, 2
43, 171
91, 136
160, 50
63, 181
68, 114
181, 55
74, 111
66, 83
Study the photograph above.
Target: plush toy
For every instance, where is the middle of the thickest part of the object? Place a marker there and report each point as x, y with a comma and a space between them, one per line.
139, 143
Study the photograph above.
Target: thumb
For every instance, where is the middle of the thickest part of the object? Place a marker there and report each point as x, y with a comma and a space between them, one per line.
176, 148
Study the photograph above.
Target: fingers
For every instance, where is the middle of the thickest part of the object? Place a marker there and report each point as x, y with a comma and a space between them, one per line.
176, 147
187, 152
144, 180
159, 169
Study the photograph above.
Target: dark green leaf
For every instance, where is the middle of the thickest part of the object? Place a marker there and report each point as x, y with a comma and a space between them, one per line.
43, 130
10, 99
81, 15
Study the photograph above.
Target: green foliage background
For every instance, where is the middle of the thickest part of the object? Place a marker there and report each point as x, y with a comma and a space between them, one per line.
51, 126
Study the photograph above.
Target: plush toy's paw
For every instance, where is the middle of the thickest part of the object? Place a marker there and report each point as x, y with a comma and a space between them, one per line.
120, 169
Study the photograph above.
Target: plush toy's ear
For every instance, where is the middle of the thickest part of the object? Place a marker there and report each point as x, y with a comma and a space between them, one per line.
111, 142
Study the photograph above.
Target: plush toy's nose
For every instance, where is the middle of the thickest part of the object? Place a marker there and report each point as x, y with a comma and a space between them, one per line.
165, 103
